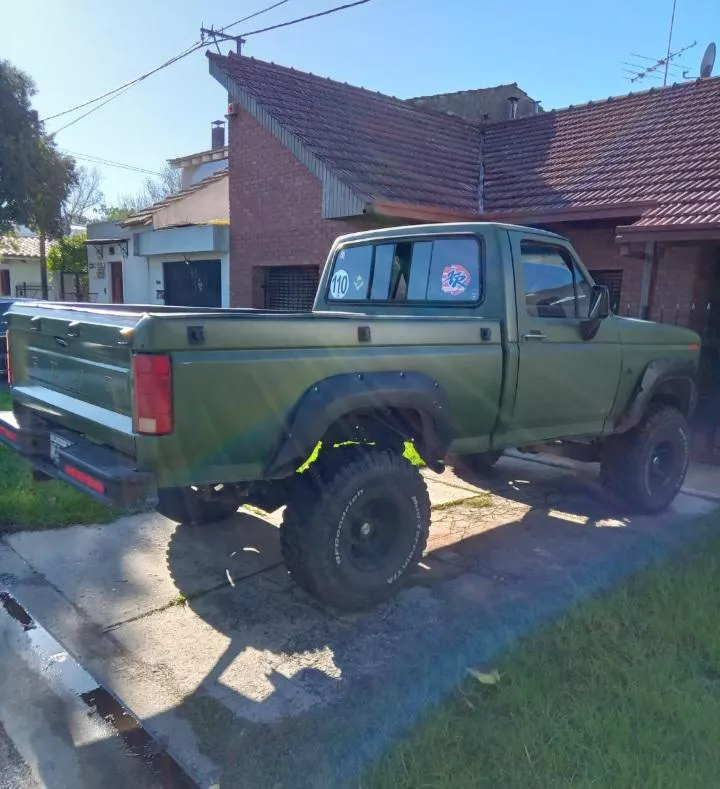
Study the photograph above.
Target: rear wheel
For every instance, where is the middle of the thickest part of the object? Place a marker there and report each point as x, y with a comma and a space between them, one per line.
647, 465
187, 505
352, 535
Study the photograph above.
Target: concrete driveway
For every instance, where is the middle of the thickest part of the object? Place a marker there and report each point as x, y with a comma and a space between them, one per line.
251, 683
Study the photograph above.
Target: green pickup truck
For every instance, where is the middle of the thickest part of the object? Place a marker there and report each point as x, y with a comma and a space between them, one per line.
464, 339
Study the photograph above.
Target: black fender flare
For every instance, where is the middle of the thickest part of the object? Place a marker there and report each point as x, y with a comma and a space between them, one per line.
657, 373
329, 400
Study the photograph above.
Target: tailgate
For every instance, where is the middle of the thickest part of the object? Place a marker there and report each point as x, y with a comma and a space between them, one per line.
71, 366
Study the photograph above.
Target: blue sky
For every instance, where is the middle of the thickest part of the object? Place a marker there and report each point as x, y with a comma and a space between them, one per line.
559, 51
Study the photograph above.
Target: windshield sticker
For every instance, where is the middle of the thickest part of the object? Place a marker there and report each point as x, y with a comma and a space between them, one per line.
359, 282
339, 284
455, 280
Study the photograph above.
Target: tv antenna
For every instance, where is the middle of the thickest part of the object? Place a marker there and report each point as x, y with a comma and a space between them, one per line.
708, 61
637, 72
641, 73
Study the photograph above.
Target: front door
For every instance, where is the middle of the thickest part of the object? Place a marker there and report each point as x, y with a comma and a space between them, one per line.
116, 282
193, 283
566, 385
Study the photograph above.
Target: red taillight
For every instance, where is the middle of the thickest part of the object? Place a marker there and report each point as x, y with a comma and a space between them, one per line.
84, 479
8, 362
11, 435
152, 389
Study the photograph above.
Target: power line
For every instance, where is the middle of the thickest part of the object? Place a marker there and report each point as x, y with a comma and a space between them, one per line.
197, 45
113, 94
305, 18
93, 109
86, 157
252, 16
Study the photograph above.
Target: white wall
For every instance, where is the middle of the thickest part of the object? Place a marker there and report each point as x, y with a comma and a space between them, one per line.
27, 271
99, 271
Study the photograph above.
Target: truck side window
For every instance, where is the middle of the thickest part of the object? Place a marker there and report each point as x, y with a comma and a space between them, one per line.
554, 287
444, 269
454, 270
351, 277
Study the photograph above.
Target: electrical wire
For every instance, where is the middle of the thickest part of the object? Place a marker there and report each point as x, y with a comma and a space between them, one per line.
197, 45
305, 18
252, 16
117, 92
86, 157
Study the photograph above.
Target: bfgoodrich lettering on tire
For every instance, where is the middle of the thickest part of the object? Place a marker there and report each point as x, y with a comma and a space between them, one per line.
647, 465
352, 537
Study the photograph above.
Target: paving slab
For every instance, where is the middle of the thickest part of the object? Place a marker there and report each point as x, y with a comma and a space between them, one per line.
255, 677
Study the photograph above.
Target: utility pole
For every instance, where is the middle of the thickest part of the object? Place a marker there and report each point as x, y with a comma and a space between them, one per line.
218, 34
43, 268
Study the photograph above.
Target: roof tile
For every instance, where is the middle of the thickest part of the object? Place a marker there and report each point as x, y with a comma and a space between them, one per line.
380, 146
660, 147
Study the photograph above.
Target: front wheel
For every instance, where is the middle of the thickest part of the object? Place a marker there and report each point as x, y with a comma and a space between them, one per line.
352, 537
647, 465
187, 505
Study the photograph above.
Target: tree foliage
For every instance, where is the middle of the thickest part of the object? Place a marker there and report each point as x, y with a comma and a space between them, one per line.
34, 177
68, 255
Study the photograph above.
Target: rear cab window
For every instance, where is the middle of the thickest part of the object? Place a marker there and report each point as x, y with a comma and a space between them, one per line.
409, 271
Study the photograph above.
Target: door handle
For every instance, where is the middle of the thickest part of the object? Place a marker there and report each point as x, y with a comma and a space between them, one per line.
534, 335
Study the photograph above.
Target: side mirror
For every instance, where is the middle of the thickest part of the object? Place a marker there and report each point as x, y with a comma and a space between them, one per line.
599, 303
598, 310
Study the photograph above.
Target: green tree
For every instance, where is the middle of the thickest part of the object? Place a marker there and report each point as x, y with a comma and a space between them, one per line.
34, 177
68, 255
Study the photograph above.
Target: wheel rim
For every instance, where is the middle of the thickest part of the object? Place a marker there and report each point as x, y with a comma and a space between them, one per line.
372, 533
661, 466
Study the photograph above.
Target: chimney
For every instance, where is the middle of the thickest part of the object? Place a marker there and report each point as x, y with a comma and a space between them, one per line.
218, 135
512, 109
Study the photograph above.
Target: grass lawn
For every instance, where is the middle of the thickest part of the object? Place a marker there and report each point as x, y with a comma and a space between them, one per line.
25, 504
622, 692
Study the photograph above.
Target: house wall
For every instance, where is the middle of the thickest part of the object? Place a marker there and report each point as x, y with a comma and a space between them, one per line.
208, 204
26, 271
99, 271
679, 286
22, 271
275, 211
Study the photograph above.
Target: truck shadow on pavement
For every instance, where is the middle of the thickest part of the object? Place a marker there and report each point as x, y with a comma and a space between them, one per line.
299, 687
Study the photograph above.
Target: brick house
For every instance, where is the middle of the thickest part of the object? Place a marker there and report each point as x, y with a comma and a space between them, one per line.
633, 181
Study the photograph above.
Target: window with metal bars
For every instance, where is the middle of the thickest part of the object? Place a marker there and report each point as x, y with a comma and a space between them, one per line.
291, 288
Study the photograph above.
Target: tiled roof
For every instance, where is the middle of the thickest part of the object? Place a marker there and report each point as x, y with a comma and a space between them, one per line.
20, 246
145, 216
661, 146
379, 146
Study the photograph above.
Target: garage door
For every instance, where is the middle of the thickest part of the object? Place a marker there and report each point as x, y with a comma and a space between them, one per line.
193, 283
291, 287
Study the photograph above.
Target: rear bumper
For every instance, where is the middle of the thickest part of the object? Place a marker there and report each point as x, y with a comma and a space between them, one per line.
101, 472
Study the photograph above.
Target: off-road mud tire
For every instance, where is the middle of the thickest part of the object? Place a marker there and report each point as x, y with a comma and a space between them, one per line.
629, 460
323, 525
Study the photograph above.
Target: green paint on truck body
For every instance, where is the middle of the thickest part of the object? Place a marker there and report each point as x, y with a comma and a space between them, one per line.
235, 392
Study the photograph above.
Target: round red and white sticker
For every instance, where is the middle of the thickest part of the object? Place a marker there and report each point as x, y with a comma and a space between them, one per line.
455, 279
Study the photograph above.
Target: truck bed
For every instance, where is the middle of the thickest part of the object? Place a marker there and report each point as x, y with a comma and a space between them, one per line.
236, 375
